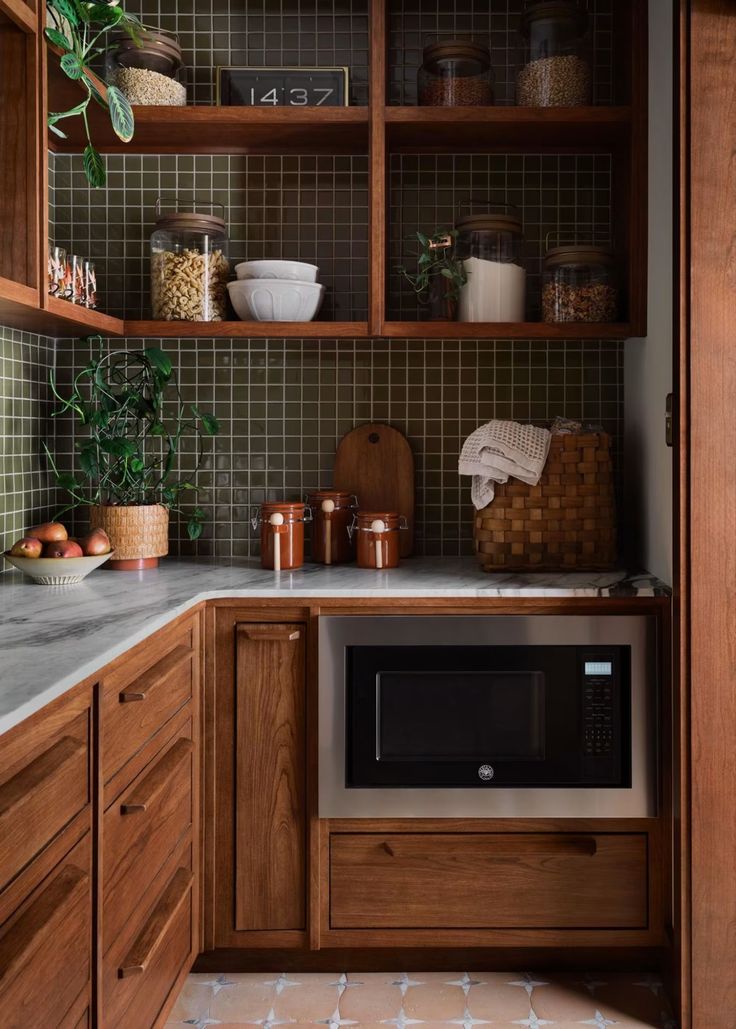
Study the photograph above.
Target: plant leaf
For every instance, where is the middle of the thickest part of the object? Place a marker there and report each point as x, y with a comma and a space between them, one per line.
136, 465
210, 424
57, 132
65, 480
66, 9
57, 38
105, 14
194, 528
118, 447
71, 66
121, 114
94, 166
160, 360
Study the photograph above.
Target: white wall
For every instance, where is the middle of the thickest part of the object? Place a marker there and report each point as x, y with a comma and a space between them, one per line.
647, 518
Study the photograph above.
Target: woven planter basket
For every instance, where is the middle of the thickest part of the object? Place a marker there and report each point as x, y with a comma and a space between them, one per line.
565, 523
135, 532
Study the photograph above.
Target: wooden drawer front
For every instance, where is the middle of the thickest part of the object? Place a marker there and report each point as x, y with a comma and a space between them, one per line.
133, 711
489, 880
144, 825
137, 984
42, 793
45, 949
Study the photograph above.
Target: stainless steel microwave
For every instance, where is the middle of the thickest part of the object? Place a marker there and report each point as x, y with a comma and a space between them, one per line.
487, 715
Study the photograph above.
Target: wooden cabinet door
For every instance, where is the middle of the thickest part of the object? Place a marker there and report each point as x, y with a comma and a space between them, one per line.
259, 735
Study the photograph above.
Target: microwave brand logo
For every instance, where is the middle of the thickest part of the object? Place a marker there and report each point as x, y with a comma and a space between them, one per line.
485, 772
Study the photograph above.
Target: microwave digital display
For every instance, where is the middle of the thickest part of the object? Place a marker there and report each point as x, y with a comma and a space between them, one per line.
598, 668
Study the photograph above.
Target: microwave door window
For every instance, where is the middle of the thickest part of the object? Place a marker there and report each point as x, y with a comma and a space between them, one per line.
457, 716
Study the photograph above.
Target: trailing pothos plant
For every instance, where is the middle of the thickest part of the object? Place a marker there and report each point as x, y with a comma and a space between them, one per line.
80, 29
130, 403
440, 275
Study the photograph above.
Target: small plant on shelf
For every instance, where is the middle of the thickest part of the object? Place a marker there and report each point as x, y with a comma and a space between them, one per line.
440, 275
79, 30
130, 404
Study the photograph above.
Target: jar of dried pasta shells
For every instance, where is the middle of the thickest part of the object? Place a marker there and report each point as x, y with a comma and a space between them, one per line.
189, 266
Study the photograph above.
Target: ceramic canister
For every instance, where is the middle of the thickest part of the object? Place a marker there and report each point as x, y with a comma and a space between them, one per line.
332, 516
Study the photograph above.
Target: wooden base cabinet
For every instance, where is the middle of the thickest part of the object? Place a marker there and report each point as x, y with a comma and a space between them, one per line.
258, 736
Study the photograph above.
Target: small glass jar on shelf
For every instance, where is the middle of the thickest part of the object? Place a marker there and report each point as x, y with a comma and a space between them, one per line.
555, 66
456, 73
189, 265
580, 284
148, 70
490, 246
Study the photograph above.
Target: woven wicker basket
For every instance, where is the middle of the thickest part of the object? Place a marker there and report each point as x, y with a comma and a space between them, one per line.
566, 522
135, 532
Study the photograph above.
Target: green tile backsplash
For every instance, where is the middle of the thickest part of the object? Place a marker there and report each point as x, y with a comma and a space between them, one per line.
26, 497
284, 404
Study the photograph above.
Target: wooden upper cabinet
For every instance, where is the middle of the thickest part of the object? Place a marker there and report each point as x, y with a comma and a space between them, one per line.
257, 753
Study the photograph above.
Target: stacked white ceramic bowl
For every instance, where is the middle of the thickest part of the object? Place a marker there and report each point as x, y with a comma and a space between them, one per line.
276, 291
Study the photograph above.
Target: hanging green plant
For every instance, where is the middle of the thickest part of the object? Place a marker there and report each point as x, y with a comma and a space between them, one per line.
80, 31
440, 275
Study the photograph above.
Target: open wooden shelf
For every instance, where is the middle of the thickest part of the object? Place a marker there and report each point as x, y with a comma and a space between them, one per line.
505, 330
256, 330
507, 129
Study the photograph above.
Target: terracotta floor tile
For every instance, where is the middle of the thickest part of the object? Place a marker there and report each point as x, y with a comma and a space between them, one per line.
243, 1002
565, 1000
193, 1001
371, 1001
312, 1000
435, 999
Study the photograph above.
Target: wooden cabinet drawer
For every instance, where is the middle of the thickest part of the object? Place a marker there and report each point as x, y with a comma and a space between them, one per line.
488, 880
141, 697
45, 947
138, 976
141, 829
44, 783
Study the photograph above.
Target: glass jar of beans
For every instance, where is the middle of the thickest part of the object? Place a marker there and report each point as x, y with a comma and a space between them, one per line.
456, 73
580, 285
189, 266
149, 70
555, 64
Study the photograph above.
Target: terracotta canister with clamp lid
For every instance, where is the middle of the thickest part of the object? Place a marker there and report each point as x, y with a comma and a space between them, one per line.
282, 534
332, 516
378, 538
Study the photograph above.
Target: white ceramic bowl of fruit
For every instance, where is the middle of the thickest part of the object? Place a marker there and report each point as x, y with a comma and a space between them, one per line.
52, 559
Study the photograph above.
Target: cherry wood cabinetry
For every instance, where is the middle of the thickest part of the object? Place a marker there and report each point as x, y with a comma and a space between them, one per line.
259, 736
46, 905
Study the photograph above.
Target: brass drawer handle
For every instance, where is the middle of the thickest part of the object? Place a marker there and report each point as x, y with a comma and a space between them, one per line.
147, 791
151, 678
278, 633
140, 955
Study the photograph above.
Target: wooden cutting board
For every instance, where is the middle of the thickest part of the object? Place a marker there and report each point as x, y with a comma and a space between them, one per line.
375, 462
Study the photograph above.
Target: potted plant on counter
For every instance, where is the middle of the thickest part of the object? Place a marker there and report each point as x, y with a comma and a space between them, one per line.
130, 405
440, 275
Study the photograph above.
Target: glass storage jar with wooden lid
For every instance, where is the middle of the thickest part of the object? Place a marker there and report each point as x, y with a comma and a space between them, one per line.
332, 516
580, 284
555, 64
490, 246
189, 264
149, 70
456, 73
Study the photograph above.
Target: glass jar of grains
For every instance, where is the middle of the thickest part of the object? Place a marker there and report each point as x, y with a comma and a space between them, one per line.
555, 65
149, 69
455, 73
580, 285
489, 245
189, 266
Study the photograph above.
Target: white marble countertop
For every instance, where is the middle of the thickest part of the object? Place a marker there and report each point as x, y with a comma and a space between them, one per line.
53, 637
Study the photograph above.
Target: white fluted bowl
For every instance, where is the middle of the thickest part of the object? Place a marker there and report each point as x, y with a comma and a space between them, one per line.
294, 271
275, 300
57, 571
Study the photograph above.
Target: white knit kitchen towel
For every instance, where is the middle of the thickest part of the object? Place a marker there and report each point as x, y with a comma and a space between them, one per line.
500, 449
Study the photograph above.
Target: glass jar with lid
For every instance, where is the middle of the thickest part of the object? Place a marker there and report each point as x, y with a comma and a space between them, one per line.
555, 65
189, 265
580, 284
149, 70
456, 73
490, 246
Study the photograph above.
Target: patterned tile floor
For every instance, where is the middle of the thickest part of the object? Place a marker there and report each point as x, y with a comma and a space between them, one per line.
423, 999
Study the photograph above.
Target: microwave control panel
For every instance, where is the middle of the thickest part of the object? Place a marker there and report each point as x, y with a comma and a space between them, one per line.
601, 712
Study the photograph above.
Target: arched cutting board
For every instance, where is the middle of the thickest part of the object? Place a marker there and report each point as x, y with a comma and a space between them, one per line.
375, 463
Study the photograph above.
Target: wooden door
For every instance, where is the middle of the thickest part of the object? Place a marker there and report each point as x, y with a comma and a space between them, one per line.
260, 803
707, 537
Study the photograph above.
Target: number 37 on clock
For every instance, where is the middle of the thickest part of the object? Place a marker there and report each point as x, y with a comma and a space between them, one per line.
282, 87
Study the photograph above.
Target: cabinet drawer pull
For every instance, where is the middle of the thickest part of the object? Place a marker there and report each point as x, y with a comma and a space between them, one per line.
141, 954
46, 766
149, 789
280, 633
42, 918
151, 678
